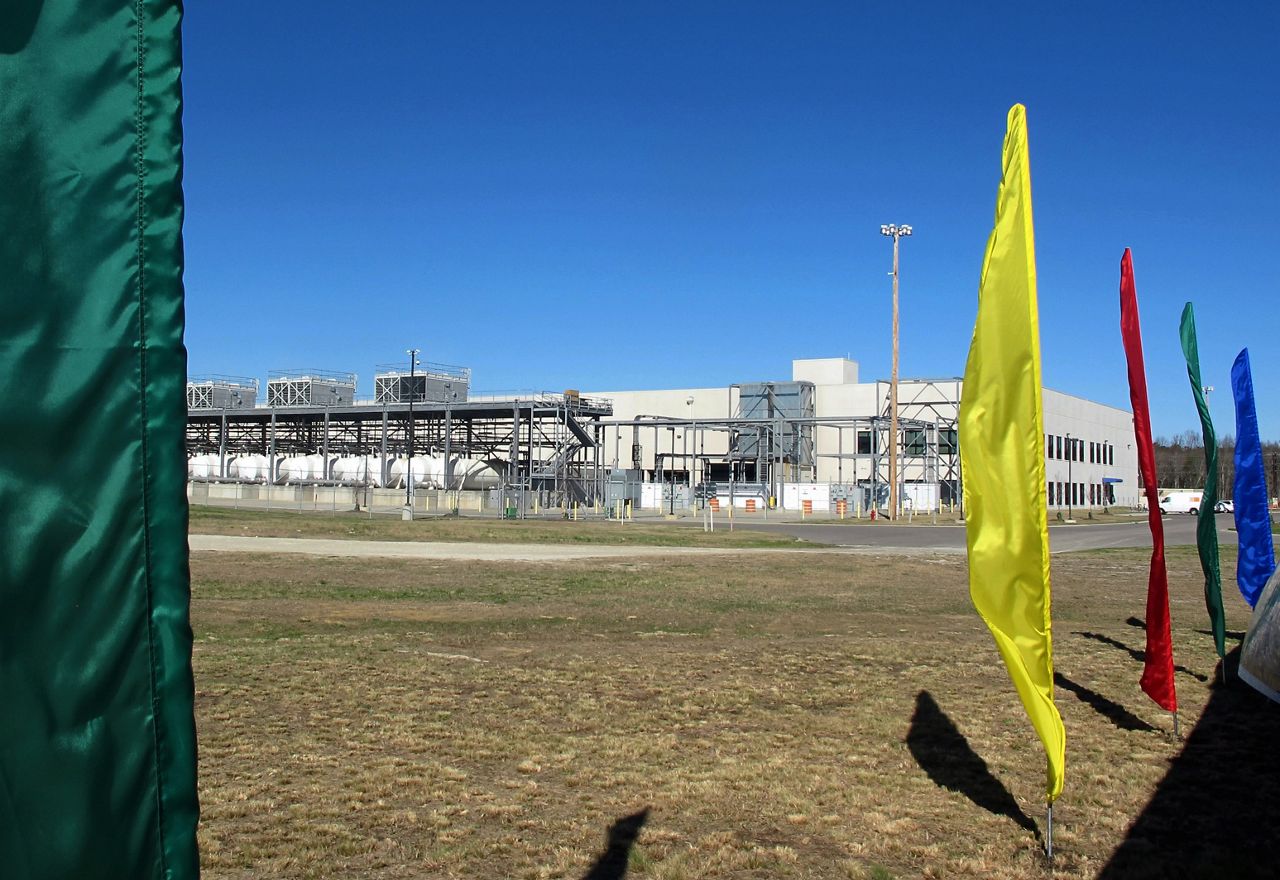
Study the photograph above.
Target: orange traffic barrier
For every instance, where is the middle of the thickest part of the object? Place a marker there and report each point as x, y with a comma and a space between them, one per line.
807, 505
842, 508
715, 503
751, 505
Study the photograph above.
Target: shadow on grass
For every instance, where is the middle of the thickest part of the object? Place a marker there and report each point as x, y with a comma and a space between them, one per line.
945, 755
612, 864
1211, 815
1140, 656
1108, 709
1141, 624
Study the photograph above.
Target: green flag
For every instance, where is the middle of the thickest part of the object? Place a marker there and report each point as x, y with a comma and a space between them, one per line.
97, 734
1207, 527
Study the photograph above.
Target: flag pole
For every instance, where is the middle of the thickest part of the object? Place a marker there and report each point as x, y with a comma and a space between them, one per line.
1048, 837
1175, 723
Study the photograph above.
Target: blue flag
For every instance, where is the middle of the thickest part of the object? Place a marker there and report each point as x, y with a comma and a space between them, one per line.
1256, 560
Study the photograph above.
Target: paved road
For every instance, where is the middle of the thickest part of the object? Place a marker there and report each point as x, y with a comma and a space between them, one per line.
951, 538
849, 538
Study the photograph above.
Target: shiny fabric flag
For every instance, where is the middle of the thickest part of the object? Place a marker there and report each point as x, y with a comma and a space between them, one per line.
1207, 526
1257, 556
97, 732
1157, 669
1002, 456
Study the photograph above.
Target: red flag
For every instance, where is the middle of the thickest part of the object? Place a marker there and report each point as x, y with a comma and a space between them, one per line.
1157, 675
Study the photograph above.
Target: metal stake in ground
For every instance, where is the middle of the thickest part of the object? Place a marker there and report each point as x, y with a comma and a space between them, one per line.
1048, 837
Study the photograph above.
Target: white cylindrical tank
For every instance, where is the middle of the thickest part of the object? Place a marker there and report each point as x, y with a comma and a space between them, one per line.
203, 466
472, 474
399, 471
363, 470
319, 469
433, 472
249, 467
299, 468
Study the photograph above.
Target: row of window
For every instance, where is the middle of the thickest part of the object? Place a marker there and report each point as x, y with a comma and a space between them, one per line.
915, 441
1073, 494
1057, 446
1074, 449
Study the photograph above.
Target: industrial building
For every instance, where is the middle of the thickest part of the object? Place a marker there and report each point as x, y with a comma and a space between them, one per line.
818, 441
824, 427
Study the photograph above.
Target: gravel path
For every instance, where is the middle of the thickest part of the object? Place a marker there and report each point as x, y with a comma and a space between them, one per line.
446, 549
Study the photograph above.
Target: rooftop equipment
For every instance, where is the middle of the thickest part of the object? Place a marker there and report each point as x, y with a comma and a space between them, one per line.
310, 388
221, 392
779, 401
432, 383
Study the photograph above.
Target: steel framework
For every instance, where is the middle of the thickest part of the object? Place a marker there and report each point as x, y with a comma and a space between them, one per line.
935, 401
544, 443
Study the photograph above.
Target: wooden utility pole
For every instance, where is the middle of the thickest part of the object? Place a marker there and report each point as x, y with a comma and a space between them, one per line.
896, 232
893, 397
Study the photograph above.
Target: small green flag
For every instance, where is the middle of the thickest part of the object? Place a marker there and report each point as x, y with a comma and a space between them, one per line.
1207, 527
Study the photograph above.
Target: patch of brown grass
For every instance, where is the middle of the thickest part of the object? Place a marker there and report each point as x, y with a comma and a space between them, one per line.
391, 718
361, 526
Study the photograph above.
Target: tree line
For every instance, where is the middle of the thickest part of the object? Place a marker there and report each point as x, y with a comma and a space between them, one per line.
1180, 463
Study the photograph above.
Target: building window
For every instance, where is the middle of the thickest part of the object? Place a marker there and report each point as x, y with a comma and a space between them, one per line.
864, 442
914, 441
1048, 452
1111, 454
1058, 442
948, 441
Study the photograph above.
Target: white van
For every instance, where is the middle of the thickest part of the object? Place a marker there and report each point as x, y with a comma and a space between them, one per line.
1181, 502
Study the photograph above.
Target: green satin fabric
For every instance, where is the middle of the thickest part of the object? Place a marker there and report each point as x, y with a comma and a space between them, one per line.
1207, 526
97, 734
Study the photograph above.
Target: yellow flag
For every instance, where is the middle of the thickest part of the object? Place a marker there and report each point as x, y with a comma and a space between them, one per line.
1002, 455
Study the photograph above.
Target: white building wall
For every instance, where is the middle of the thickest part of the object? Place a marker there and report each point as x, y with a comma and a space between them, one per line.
675, 403
835, 445
825, 371
1099, 425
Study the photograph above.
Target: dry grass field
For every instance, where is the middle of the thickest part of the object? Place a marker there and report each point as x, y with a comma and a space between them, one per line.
781, 715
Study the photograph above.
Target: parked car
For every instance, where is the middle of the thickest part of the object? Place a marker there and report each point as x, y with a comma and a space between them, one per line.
1226, 505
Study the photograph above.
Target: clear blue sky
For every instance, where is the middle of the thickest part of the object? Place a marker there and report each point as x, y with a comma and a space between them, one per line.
609, 195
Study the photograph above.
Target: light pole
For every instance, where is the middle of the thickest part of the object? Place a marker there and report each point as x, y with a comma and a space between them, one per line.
895, 232
673, 472
408, 481
690, 463
1071, 487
